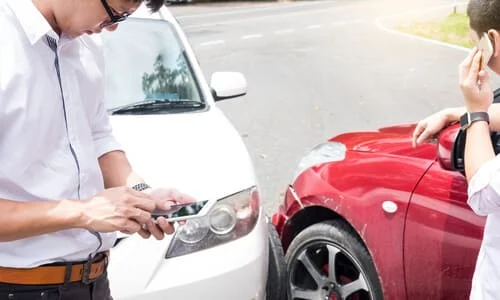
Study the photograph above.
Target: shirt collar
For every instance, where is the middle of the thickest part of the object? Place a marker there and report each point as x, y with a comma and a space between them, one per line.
31, 19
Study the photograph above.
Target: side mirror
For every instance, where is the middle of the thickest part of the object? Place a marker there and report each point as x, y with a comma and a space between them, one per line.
458, 152
458, 148
446, 147
227, 85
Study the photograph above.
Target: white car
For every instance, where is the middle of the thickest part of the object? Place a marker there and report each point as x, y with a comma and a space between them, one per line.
164, 114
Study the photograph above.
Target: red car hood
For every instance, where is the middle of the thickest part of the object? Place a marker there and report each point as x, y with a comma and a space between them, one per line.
394, 140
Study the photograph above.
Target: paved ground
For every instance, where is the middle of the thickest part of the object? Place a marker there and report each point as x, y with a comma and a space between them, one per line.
319, 68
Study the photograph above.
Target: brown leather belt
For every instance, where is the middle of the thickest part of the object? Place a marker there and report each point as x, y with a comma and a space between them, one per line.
85, 272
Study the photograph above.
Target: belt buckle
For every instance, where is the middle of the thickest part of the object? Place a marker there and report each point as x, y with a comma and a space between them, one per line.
87, 266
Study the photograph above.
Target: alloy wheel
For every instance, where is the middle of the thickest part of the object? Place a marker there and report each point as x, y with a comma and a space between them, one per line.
326, 271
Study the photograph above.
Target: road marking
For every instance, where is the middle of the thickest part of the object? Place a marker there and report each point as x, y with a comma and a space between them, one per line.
255, 19
217, 42
378, 22
281, 32
284, 31
314, 26
339, 23
254, 9
252, 36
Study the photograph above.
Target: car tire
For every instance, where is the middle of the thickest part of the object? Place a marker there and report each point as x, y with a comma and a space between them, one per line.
276, 287
311, 251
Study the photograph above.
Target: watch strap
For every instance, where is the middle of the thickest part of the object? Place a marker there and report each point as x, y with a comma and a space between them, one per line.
470, 117
141, 186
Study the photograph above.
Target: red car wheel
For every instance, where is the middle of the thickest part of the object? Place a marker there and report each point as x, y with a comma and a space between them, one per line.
327, 261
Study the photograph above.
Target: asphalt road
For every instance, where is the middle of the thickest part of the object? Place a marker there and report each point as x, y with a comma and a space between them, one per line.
319, 68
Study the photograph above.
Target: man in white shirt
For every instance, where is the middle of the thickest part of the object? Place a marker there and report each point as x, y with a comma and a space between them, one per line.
65, 185
482, 168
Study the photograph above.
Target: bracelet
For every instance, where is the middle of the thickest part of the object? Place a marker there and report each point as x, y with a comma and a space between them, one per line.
141, 186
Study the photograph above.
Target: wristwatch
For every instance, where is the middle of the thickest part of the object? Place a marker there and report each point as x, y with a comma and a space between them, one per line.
470, 117
141, 186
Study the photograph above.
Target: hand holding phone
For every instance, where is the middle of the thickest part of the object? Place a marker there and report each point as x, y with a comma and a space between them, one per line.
474, 81
184, 211
487, 49
163, 198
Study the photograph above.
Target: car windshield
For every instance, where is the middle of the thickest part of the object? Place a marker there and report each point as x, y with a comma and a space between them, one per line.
146, 62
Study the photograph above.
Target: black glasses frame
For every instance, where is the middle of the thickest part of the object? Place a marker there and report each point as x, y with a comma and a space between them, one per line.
113, 19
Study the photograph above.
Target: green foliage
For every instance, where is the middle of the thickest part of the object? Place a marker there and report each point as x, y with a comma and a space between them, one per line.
164, 82
453, 29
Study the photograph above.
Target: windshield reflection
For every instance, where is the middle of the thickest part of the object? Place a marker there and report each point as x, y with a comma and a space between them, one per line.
166, 83
146, 61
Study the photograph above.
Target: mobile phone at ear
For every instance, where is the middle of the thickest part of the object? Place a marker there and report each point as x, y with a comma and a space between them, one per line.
487, 48
184, 211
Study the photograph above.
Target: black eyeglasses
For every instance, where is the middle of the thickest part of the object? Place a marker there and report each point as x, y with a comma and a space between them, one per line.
113, 19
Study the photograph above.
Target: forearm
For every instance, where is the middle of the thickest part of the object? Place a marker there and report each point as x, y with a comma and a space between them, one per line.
478, 148
454, 113
117, 171
494, 112
26, 219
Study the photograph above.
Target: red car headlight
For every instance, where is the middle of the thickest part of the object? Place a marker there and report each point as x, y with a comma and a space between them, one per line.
321, 153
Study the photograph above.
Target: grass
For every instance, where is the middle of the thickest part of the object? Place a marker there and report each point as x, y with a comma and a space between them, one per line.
453, 29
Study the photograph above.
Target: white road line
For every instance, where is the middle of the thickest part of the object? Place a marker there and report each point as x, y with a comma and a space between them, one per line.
314, 26
255, 19
396, 32
284, 31
254, 9
251, 36
217, 42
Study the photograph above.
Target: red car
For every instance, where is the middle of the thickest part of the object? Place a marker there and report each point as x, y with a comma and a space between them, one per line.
370, 217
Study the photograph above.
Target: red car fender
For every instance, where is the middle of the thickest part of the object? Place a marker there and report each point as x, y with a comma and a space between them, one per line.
355, 189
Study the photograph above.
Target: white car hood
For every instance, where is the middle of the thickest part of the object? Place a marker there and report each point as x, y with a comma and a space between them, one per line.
197, 153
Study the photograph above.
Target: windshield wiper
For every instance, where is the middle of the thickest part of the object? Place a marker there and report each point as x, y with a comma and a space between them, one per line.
157, 105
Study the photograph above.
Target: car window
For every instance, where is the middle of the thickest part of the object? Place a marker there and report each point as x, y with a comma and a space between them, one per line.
145, 60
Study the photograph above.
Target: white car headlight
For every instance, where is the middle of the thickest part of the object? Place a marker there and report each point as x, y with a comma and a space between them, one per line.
222, 219
231, 218
193, 231
322, 153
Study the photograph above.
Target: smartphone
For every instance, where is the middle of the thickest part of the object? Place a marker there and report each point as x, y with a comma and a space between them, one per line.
485, 45
184, 211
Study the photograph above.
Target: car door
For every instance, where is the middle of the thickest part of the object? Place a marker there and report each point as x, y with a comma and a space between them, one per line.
442, 237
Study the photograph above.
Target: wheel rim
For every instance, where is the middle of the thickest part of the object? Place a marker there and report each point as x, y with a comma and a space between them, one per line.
326, 271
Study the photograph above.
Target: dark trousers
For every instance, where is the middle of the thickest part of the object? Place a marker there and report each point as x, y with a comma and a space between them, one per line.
96, 290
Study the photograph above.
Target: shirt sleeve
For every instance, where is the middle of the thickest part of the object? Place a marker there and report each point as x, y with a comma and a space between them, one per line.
102, 132
484, 188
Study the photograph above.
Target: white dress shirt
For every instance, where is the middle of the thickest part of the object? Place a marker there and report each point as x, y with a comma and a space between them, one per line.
484, 199
50, 140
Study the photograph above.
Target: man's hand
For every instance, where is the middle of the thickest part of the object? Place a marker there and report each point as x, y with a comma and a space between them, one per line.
117, 209
428, 127
475, 83
163, 199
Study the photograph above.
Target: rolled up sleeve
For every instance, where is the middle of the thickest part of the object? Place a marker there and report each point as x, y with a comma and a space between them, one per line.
102, 133
484, 188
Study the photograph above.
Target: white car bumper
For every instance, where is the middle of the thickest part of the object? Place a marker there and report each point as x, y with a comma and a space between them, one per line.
236, 270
